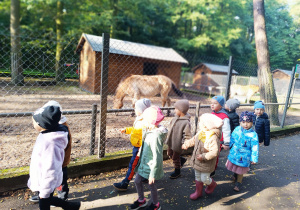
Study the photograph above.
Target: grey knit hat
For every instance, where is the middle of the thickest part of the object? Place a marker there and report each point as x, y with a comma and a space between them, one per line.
142, 104
232, 104
182, 105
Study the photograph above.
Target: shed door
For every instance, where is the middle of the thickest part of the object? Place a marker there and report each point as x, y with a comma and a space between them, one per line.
150, 68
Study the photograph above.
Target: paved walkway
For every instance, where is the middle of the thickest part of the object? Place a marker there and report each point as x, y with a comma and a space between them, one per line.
272, 184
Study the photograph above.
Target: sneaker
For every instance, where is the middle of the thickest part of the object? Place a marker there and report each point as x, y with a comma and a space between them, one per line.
34, 199
121, 186
182, 161
175, 174
212, 174
137, 204
154, 207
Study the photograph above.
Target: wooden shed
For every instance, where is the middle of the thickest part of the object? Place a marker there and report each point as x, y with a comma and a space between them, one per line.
209, 75
281, 79
125, 58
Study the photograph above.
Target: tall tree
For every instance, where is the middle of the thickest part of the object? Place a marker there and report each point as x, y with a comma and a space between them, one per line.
266, 86
59, 76
16, 55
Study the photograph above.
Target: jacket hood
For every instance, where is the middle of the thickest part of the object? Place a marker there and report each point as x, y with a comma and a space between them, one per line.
222, 110
217, 132
185, 117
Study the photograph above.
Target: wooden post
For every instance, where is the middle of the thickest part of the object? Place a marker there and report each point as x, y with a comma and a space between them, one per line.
287, 100
197, 117
93, 129
229, 75
103, 94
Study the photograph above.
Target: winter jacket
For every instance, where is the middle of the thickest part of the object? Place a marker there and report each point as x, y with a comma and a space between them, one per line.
225, 139
244, 147
262, 128
208, 145
136, 132
179, 131
234, 119
150, 163
46, 161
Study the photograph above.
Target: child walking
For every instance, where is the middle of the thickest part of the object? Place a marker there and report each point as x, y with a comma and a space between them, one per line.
47, 158
217, 103
179, 131
261, 123
150, 165
206, 150
244, 149
63, 189
136, 141
230, 107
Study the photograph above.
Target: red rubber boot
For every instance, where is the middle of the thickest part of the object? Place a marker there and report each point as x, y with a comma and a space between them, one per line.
198, 193
210, 188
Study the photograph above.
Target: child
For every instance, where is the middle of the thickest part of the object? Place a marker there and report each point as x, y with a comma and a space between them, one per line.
47, 158
230, 106
261, 123
150, 165
244, 149
63, 189
206, 150
136, 141
179, 131
217, 103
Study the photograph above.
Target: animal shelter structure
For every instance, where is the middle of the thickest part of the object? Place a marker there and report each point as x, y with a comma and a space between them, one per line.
207, 77
125, 58
281, 79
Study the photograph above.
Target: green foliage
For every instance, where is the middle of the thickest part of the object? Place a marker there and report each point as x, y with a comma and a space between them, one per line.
215, 28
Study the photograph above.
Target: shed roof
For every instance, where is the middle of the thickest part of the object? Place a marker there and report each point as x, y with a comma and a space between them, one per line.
131, 48
287, 72
216, 68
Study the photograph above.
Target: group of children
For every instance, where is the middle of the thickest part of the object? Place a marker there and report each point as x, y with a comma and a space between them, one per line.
220, 129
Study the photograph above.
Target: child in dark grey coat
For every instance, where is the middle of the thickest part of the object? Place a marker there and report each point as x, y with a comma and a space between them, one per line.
230, 107
179, 131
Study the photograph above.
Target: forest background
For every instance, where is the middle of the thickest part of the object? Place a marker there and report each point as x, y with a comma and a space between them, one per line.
215, 28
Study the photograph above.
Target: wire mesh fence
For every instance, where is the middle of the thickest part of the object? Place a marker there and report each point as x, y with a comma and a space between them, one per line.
74, 80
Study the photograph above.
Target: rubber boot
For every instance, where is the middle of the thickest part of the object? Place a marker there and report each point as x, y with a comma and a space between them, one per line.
198, 193
210, 188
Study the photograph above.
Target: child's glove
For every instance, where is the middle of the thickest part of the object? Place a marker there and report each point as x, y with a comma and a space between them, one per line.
122, 130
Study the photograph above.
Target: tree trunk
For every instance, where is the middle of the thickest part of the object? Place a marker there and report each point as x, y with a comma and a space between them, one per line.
114, 8
59, 76
17, 77
266, 85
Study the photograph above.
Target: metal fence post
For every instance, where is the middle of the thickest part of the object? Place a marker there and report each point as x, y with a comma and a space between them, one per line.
197, 117
229, 75
93, 130
103, 93
287, 100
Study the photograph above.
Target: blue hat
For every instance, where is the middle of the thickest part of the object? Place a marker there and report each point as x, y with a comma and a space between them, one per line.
259, 105
220, 99
142, 104
246, 116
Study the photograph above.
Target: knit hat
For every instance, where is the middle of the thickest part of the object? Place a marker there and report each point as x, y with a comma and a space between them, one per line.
182, 105
232, 104
142, 104
220, 100
47, 117
259, 105
210, 121
246, 116
153, 115
63, 119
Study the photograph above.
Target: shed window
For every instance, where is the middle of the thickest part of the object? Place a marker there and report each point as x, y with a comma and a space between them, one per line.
150, 68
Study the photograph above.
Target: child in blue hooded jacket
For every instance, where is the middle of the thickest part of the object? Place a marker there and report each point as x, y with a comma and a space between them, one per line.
244, 149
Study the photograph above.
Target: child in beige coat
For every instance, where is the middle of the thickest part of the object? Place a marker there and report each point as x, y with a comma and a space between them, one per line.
206, 150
